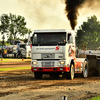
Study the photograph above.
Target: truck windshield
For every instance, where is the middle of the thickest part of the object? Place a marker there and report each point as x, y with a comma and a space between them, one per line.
51, 38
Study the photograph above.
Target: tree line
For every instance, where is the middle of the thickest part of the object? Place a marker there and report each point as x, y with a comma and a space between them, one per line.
88, 34
13, 25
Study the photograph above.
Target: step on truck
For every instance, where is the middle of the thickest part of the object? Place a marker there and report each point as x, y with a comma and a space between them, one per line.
54, 53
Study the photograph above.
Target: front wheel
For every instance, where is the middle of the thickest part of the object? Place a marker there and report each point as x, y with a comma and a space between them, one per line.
70, 75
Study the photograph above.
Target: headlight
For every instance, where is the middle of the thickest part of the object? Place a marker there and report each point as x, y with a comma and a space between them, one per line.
34, 63
62, 62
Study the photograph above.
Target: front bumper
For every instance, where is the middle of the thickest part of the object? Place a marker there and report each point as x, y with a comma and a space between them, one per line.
50, 69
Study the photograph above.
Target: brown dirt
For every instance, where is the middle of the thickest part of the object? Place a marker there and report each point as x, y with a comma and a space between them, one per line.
21, 85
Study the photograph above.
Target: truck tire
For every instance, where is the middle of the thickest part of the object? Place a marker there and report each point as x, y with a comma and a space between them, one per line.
38, 75
85, 69
70, 75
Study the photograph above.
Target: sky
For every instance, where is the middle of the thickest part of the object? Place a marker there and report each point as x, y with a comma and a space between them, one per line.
47, 14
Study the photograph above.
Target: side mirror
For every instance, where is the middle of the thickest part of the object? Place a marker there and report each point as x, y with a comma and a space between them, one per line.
71, 39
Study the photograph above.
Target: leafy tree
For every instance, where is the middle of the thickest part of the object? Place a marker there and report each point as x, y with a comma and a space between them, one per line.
89, 34
4, 23
29, 31
15, 25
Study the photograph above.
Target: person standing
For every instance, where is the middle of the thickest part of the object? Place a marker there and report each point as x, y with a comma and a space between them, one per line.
0, 52
19, 53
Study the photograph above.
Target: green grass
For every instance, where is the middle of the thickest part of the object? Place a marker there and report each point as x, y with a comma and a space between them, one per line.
3, 61
14, 68
14, 60
95, 98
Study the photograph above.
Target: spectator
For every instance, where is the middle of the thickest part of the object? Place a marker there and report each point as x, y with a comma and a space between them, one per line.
89, 52
19, 54
0, 52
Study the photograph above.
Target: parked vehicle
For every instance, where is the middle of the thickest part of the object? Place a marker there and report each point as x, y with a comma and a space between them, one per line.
24, 50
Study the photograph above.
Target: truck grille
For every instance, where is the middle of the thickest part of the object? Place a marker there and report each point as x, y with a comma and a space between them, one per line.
47, 64
47, 55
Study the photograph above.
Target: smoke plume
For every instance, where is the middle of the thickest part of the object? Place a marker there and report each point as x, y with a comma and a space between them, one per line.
72, 11
72, 8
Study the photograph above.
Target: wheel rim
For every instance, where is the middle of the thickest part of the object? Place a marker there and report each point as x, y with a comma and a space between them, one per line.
85, 69
72, 72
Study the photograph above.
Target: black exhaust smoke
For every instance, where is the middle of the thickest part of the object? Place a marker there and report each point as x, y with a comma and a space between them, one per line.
71, 9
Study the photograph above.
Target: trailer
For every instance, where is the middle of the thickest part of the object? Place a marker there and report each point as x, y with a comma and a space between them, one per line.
54, 53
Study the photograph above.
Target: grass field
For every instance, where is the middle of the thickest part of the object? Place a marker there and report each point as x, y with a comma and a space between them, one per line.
95, 98
14, 68
13, 60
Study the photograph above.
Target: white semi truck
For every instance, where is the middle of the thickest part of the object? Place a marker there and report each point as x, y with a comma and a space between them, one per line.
53, 53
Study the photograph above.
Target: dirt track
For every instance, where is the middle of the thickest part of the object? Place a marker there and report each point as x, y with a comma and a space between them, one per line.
21, 85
